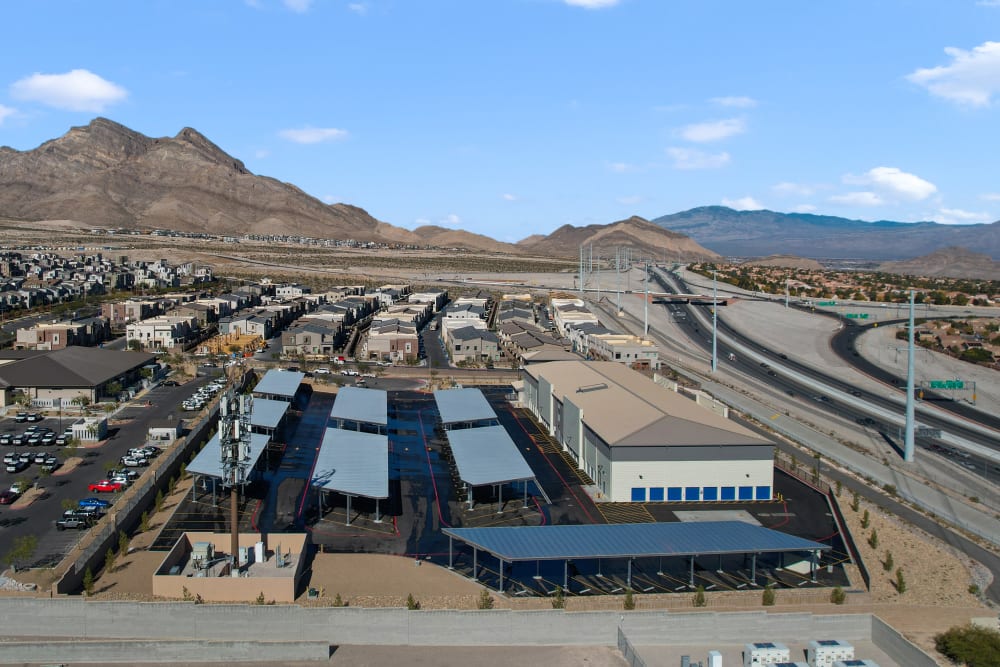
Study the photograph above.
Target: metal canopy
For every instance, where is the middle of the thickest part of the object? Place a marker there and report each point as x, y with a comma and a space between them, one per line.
487, 455
267, 413
209, 459
277, 382
630, 540
463, 405
354, 463
361, 405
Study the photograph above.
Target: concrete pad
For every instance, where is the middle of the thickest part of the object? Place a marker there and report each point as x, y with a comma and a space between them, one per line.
717, 515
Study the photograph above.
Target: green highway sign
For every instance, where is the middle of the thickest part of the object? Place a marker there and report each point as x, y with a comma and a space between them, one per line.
947, 384
856, 316
826, 303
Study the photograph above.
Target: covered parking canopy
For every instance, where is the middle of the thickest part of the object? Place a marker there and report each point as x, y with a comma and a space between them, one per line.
360, 409
627, 541
279, 385
353, 463
487, 455
208, 462
267, 414
464, 408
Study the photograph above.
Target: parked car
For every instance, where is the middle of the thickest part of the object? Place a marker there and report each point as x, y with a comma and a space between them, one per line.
8, 497
106, 486
10, 457
16, 466
35, 417
17, 440
21, 417
73, 523
19, 487
133, 461
128, 474
40, 458
5, 439
170, 383
49, 438
94, 502
50, 464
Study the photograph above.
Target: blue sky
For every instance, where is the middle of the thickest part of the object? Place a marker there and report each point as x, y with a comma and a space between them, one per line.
513, 117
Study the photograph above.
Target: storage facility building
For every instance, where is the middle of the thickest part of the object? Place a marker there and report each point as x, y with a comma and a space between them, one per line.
641, 442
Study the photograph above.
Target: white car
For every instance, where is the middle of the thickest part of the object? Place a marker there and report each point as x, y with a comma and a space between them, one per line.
321, 371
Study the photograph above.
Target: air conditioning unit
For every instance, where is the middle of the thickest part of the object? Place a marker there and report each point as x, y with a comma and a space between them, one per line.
202, 554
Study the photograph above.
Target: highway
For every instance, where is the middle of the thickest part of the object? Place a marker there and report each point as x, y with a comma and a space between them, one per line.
763, 372
843, 398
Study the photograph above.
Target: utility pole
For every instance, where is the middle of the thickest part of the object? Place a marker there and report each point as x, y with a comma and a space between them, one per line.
908, 444
645, 314
618, 277
786, 293
715, 319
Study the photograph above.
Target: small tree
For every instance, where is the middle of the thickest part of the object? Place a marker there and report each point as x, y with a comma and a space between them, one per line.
260, 600
485, 600
900, 581
88, 582
68, 504
144, 522
109, 560
411, 603
838, 487
865, 520
699, 597
23, 549
969, 645
628, 604
158, 503
873, 539
888, 563
559, 599
837, 595
339, 601
768, 597
122, 542
855, 501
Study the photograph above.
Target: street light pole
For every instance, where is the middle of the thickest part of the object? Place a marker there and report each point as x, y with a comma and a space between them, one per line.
715, 320
908, 444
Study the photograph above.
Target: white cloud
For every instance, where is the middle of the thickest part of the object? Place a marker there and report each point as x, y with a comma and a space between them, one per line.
858, 199
990, 196
298, 6
787, 188
451, 220
715, 130
895, 182
359, 8
804, 208
420, 222
261, 153
956, 216
330, 199
629, 200
622, 167
989, 3
972, 78
691, 158
6, 112
313, 135
76, 90
743, 204
509, 197
739, 102
592, 4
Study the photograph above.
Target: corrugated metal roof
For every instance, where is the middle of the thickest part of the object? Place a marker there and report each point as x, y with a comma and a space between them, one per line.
354, 463
487, 456
267, 413
360, 404
277, 382
209, 459
462, 405
625, 540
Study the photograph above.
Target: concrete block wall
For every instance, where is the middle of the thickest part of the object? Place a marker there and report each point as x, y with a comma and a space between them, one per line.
898, 647
128, 652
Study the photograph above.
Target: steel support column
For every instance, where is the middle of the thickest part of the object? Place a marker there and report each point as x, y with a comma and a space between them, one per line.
451, 553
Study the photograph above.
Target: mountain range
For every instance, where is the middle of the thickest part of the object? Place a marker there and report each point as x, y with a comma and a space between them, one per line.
758, 233
106, 175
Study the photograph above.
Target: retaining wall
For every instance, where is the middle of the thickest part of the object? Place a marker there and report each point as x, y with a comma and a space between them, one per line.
130, 652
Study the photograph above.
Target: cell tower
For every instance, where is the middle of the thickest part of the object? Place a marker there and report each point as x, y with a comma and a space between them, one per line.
234, 441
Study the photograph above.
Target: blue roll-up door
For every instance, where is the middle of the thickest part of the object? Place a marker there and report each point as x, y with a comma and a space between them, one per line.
746, 493
638, 494
692, 493
763, 493
674, 493
710, 493
656, 494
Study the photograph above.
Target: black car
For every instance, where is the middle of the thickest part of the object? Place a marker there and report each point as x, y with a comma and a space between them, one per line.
170, 383
21, 417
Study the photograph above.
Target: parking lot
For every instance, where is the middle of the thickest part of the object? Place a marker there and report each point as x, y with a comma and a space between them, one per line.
426, 495
64, 486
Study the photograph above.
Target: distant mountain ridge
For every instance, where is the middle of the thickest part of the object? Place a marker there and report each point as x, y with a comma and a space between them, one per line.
950, 262
644, 237
105, 174
762, 233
